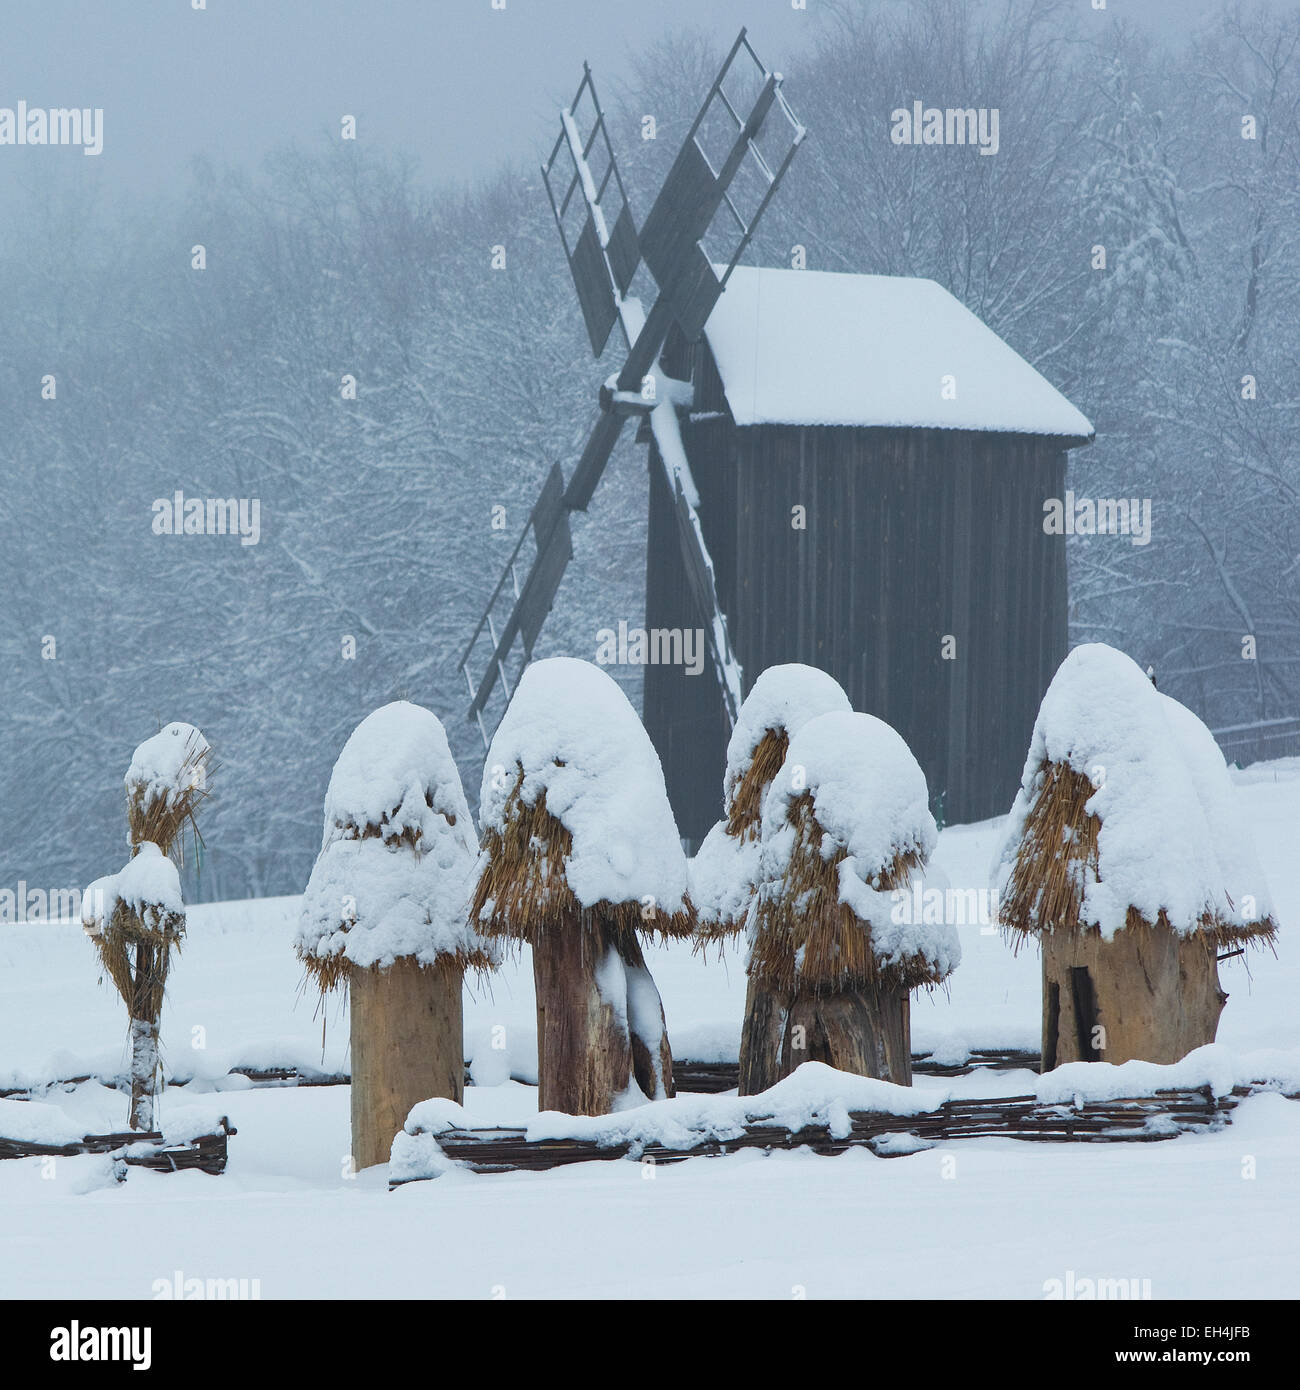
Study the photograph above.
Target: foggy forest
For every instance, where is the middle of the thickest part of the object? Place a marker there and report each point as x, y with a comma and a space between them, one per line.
1136, 239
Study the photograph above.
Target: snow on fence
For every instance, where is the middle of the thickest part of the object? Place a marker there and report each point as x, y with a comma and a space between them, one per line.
1165, 1115
828, 1111
1244, 744
206, 1152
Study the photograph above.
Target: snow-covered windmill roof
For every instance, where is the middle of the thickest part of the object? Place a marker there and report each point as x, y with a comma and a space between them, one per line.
809, 347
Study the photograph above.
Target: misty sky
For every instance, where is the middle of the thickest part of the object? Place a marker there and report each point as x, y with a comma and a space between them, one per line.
453, 83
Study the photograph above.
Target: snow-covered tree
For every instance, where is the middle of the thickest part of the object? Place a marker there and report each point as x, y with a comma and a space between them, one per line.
473, 377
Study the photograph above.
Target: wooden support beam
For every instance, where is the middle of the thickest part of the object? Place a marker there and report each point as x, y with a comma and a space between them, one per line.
407, 1046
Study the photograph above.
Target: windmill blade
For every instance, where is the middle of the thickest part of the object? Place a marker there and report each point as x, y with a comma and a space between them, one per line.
672, 242
603, 258
699, 186
599, 447
528, 602
585, 189
602, 249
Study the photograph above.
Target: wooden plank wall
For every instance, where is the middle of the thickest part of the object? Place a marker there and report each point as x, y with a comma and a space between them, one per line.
911, 535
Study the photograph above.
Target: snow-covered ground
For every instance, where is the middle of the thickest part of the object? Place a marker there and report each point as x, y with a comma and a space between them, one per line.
1197, 1216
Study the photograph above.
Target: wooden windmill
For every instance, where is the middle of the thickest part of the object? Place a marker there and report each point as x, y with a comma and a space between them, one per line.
847, 471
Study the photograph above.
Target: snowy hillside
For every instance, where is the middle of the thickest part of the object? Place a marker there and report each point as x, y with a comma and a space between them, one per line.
960, 1220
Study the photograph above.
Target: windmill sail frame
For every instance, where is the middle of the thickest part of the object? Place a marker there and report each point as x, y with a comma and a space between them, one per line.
604, 255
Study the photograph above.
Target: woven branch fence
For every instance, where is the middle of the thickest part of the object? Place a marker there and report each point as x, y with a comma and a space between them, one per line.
207, 1153
1165, 1115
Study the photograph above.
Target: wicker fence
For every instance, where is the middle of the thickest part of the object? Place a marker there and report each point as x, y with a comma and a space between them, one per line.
207, 1153
1244, 744
1165, 1115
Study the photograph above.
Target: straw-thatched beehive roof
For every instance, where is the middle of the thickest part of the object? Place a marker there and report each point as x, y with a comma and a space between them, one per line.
725, 869
846, 824
575, 814
136, 917
393, 877
1123, 817
783, 699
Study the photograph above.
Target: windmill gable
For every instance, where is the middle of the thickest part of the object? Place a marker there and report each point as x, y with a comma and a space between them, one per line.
805, 347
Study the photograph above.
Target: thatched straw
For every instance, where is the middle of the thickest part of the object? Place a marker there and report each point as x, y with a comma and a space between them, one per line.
161, 819
330, 972
744, 820
134, 949
523, 890
136, 944
806, 936
327, 973
745, 797
136, 954
716, 931
1059, 850
411, 837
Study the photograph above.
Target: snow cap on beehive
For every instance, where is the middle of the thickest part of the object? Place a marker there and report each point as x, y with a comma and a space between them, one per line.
394, 873
575, 813
1245, 889
1124, 816
846, 823
724, 871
